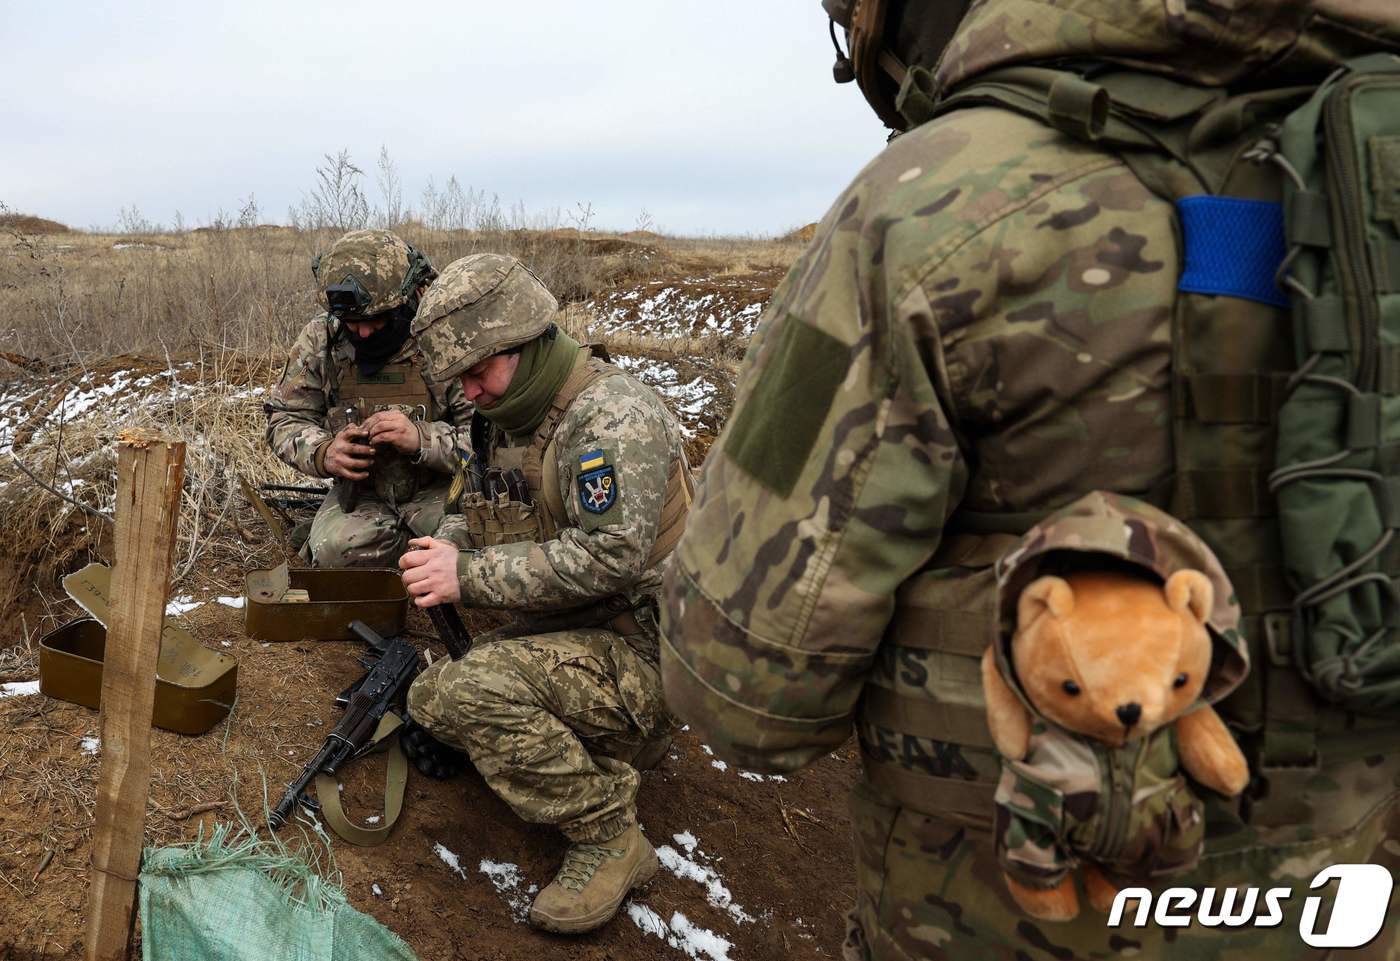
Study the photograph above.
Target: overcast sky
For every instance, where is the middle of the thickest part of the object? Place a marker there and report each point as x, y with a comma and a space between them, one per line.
715, 116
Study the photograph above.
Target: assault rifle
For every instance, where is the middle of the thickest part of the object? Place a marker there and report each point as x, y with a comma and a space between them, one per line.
367, 701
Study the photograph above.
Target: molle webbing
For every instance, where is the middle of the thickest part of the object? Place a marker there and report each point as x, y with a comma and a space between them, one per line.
930, 794
397, 385
942, 622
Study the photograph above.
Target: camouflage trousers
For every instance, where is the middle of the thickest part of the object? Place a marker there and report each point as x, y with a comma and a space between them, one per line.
931, 888
375, 533
545, 719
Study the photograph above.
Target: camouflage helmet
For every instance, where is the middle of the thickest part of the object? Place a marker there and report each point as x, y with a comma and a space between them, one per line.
481, 305
367, 272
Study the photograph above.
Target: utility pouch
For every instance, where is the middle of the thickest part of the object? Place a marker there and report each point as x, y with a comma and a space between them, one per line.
1337, 472
490, 521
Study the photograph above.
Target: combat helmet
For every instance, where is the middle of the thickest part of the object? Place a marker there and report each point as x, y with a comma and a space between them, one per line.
481, 305
885, 38
367, 272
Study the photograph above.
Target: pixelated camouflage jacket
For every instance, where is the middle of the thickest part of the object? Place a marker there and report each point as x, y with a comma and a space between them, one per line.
982, 323
1129, 808
298, 409
618, 423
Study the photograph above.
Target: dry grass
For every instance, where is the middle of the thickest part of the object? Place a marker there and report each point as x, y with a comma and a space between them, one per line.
80, 296
207, 398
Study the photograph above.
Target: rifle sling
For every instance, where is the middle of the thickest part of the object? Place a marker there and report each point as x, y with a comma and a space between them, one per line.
386, 738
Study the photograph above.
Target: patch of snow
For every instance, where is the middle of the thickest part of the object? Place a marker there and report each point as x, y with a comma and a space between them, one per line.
378, 892
692, 397
680, 933
128, 245
234, 602
19, 688
711, 305
182, 605
90, 744
719, 765
686, 840
373, 819
508, 882
696, 869
449, 859
226, 643
755, 776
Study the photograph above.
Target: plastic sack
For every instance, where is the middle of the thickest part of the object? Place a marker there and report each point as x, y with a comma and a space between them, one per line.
239, 898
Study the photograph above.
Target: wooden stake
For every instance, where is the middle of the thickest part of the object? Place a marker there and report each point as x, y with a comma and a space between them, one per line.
150, 472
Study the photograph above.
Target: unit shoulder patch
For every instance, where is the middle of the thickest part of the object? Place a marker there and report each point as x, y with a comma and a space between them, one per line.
597, 482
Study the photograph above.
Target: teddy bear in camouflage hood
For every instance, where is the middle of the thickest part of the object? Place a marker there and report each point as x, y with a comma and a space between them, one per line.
1117, 631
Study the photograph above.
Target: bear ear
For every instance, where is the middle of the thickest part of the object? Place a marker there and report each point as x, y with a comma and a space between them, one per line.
1051, 594
1191, 590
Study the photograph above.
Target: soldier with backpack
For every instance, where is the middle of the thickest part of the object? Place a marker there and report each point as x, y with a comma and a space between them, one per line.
1143, 247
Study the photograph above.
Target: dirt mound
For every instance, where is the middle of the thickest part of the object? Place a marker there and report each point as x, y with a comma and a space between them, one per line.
801, 234
29, 224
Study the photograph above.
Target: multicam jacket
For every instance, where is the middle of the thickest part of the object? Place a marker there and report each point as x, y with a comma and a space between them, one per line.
1129, 809
299, 408
980, 332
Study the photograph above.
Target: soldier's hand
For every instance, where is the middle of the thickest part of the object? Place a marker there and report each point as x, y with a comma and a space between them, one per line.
394, 428
348, 455
430, 572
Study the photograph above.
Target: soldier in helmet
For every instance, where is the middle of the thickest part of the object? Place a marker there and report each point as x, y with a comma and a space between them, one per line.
573, 494
355, 403
988, 327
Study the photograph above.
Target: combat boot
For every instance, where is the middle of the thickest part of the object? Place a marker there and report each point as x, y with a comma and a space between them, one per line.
592, 883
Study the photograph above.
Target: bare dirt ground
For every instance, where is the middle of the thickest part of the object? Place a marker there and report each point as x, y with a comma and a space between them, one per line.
778, 847
754, 867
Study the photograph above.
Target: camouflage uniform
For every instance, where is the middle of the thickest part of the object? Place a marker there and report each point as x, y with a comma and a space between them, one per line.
404, 493
552, 708
980, 329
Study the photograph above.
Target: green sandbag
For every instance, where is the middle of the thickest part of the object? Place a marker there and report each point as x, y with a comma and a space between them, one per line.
239, 898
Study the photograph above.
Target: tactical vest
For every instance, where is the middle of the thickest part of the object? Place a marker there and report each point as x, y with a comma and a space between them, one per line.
502, 520
1324, 363
398, 386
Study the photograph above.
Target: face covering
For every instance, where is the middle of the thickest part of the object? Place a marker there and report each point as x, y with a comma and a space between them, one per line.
545, 363
374, 351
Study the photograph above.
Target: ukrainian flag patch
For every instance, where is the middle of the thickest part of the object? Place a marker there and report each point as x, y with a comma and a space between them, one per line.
597, 483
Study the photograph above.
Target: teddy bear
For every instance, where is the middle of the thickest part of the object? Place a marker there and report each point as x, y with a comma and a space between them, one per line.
1096, 707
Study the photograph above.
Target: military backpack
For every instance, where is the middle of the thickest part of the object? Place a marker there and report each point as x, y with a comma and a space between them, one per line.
1286, 373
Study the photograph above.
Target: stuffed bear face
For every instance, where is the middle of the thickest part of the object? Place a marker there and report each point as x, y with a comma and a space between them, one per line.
1112, 656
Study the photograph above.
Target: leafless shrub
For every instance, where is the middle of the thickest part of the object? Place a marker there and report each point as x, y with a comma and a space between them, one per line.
390, 191
336, 201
